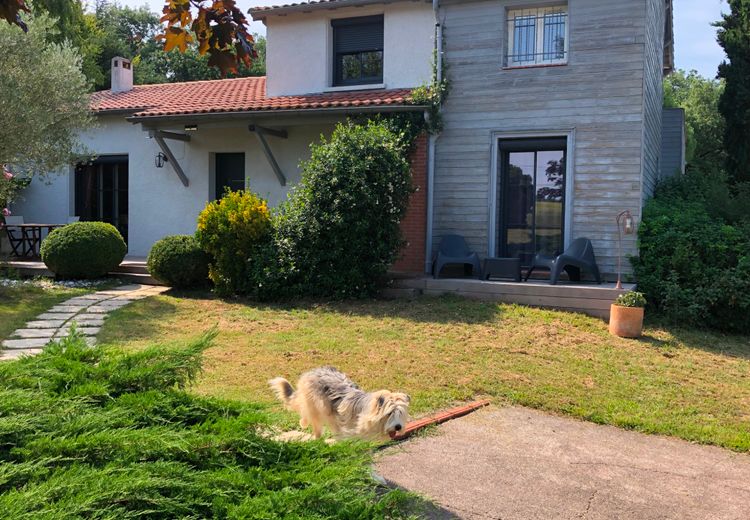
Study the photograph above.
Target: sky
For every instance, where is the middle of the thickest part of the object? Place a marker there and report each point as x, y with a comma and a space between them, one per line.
695, 38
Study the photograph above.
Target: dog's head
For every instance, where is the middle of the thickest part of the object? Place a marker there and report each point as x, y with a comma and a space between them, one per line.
391, 410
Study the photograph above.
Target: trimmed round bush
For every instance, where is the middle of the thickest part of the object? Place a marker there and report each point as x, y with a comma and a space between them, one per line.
83, 250
178, 261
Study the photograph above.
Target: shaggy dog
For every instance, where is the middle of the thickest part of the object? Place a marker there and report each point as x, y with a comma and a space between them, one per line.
326, 397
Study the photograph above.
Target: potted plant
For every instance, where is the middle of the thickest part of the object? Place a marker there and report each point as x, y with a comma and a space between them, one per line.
626, 315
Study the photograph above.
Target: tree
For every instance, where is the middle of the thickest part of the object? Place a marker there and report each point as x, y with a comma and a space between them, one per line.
734, 37
218, 27
699, 97
44, 100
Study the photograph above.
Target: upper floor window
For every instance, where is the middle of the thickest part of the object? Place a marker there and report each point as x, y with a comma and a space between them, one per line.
537, 36
358, 50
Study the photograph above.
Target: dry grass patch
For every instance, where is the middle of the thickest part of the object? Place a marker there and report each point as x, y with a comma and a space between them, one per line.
441, 350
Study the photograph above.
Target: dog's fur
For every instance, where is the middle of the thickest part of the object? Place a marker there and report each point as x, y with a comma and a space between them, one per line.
327, 397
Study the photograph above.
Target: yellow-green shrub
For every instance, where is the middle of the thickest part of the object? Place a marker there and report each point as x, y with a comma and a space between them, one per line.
234, 231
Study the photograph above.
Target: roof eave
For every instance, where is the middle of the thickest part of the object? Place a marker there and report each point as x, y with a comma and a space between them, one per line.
249, 114
259, 14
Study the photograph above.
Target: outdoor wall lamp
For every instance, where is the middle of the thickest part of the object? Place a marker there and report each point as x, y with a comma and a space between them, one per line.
626, 226
160, 159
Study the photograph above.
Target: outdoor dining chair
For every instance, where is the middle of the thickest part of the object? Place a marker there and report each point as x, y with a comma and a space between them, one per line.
15, 235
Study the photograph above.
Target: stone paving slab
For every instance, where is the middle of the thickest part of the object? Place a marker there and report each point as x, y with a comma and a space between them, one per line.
17, 353
518, 464
68, 308
88, 322
14, 344
85, 331
56, 316
90, 316
44, 324
34, 333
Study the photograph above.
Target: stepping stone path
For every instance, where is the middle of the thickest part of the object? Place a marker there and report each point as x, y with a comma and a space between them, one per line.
88, 312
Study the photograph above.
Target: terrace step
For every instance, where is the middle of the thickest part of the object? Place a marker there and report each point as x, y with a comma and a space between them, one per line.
140, 278
395, 293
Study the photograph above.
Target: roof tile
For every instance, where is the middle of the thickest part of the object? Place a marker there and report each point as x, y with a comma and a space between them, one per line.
231, 95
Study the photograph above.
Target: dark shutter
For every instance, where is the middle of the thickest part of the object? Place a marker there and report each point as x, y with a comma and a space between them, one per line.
361, 34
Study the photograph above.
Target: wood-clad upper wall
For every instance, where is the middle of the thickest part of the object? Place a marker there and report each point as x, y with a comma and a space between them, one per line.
599, 95
653, 95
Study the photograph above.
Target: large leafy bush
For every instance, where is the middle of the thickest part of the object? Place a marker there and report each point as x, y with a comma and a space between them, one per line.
235, 231
694, 263
83, 250
91, 432
178, 261
339, 231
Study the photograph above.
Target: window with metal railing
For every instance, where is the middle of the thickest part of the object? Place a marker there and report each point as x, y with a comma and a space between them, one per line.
537, 36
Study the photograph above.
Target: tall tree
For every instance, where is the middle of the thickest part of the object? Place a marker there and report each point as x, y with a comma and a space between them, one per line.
44, 101
699, 97
734, 37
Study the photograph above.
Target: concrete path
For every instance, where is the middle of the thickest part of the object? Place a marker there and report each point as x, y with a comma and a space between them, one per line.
516, 463
87, 312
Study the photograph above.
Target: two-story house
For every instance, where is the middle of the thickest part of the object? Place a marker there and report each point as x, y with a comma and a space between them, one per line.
552, 126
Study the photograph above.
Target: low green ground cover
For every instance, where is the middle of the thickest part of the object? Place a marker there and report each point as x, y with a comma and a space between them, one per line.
98, 433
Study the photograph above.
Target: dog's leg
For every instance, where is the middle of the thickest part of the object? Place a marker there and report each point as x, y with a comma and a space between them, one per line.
317, 429
303, 422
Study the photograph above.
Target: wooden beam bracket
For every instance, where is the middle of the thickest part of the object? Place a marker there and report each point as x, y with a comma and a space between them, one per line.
261, 133
159, 136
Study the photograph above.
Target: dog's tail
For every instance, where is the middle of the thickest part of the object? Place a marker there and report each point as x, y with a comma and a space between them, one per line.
283, 389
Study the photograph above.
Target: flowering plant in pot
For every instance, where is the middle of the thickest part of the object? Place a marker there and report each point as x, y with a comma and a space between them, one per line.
626, 315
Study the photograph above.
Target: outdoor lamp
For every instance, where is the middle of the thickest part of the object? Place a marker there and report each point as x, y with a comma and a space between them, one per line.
160, 160
625, 225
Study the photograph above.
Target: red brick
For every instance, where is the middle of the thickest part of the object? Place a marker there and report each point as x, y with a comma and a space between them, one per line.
414, 224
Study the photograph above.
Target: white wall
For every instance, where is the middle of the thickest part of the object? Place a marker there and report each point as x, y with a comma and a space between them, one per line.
159, 204
299, 47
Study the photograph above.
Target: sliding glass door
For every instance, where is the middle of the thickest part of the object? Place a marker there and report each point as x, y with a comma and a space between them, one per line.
101, 191
531, 197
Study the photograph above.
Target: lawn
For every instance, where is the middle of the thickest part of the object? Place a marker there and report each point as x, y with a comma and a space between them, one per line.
685, 383
21, 304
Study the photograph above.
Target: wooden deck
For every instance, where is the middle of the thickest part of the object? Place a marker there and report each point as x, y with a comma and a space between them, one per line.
585, 297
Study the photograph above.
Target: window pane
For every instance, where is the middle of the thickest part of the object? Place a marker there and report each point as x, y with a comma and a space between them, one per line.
524, 38
519, 204
372, 64
351, 68
554, 36
550, 189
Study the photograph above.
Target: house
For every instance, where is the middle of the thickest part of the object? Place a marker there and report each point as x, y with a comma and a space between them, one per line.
553, 124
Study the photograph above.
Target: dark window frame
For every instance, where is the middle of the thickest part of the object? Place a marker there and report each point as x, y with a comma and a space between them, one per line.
375, 44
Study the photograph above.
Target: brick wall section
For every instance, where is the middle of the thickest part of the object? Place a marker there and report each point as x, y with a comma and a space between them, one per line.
414, 224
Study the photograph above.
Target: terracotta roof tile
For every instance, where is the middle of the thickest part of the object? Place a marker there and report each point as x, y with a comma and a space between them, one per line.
232, 95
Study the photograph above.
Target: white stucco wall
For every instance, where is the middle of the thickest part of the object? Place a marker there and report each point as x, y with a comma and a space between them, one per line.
159, 204
299, 47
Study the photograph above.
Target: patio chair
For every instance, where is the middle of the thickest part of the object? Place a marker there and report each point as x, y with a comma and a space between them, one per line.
579, 256
454, 250
71, 220
15, 235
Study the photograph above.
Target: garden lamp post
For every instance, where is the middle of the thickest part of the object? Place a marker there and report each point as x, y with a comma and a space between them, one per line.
625, 226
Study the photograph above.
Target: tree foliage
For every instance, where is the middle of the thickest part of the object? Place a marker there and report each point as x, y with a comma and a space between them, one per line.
699, 97
734, 37
44, 101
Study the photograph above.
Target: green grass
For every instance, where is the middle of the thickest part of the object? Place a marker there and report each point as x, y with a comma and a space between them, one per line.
21, 304
685, 383
98, 433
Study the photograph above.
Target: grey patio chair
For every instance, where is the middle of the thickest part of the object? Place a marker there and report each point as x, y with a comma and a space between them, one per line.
578, 257
454, 250
15, 236
71, 220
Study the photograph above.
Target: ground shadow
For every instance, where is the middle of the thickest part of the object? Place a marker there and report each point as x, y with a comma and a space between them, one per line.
707, 340
447, 309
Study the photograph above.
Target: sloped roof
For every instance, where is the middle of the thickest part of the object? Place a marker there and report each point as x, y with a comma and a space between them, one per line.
260, 12
232, 95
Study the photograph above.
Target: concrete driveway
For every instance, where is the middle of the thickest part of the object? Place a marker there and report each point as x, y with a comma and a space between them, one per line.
517, 463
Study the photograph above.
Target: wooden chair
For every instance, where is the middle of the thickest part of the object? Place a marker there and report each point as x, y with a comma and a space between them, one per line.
15, 235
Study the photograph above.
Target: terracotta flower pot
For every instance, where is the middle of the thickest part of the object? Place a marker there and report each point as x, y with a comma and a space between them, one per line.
625, 322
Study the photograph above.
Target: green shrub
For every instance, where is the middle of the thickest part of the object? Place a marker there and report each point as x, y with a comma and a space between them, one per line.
694, 261
178, 261
631, 299
339, 232
83, 250
93, 432
235, 231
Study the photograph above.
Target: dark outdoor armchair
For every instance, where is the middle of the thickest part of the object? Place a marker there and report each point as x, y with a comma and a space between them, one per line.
15, 234
578, 257
454, 250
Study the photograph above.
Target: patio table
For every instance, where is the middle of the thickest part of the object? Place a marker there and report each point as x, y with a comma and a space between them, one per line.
32, 235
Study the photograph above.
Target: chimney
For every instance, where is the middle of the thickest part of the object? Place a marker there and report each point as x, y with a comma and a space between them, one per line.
122, 75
